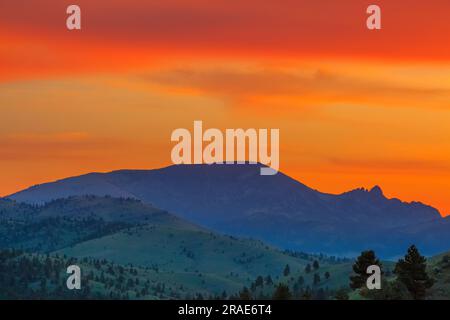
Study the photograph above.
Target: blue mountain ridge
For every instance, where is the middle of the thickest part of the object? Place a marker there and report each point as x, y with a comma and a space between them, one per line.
237, 200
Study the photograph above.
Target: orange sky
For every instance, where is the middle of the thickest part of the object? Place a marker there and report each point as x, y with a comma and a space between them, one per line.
354, 107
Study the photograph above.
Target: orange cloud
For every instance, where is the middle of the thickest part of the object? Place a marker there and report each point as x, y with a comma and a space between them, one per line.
117, 34
299, 87
48, 147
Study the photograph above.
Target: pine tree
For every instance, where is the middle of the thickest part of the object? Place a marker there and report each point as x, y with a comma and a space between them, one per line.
366, 259
286, 270
411, 271
301, 281
316, 265
282, 292
269, 280
259, 282
316, 280
308, 268
327, 275
245, 294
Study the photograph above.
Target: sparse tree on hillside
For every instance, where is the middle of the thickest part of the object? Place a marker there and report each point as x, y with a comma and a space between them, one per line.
245, 294
316, 279
411, 271
282, 292
286, 270
316, 265
301, 281
259, 282
308, 268
269, 280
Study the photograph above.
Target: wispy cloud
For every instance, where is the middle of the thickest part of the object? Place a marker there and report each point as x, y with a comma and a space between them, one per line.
313, 87
50, 146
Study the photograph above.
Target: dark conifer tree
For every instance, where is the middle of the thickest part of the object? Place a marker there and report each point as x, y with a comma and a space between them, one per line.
245, 294
366, 259
282, 292
308, 268
316, 265
316, 279
301, 281
259, 282
411, 271
286, 270
269, 280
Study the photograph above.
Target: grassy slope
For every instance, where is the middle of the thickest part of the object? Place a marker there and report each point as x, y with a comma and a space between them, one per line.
172, 251
101, 278
439, 269
107, 208
195, 256
65, 222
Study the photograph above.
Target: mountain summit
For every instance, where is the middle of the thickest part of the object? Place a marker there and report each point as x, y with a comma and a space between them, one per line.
235, 199
376, 191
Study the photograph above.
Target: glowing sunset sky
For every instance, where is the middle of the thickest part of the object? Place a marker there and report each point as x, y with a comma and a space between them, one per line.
354, 107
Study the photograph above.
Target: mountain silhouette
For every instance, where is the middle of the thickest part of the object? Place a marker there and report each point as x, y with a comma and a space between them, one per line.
237, 200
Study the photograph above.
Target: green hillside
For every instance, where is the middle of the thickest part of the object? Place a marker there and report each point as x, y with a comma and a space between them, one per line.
162, 247
130, 250
37, 276
106, 208
439, 269
65, 222
53, 233
216, 262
